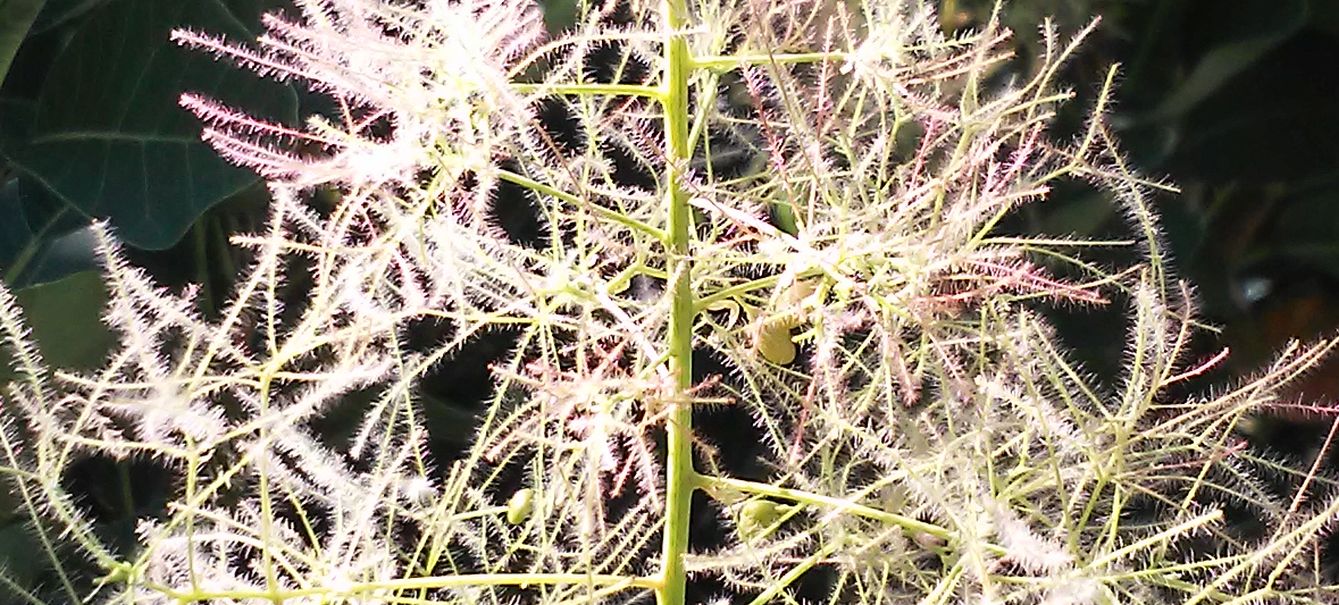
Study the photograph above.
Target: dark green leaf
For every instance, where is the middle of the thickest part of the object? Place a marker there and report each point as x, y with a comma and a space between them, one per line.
41, 239
559, 14
16, 18
20, 556
1271, 123
107, 135
60, 12
65, 319
1250, 30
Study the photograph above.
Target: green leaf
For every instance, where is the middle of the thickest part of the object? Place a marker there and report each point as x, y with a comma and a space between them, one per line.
1271, 123
20, 560
108, 137
559, 14
784, 217
16, 18
59, 12
1252, 29
41, 239
65, 319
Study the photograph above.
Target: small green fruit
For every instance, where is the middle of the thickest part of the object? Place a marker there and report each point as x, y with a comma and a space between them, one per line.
520, 505
772, 339
757, 517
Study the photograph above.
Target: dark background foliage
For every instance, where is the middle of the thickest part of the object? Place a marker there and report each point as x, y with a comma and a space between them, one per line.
1233, 102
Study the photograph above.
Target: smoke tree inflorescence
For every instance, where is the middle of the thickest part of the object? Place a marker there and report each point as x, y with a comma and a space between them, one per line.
785, 211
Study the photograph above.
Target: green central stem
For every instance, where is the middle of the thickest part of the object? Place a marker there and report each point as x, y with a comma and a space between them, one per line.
679, 473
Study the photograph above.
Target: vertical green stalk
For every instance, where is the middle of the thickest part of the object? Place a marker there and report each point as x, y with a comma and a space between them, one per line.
679, 473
